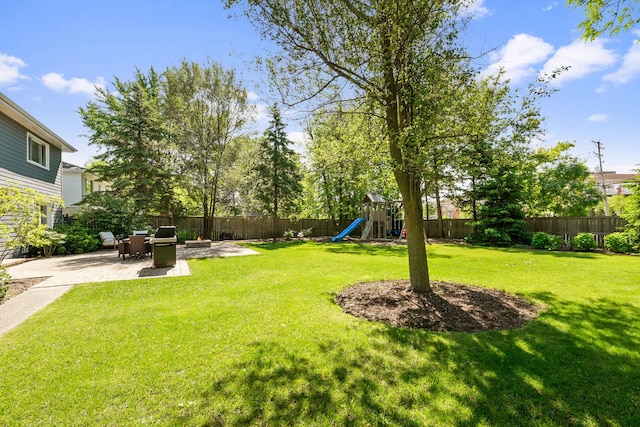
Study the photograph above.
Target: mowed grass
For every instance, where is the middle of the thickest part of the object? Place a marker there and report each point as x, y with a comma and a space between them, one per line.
258, 340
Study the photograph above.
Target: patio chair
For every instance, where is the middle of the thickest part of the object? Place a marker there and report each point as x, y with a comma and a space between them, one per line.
108, 239
123, 248
137, 247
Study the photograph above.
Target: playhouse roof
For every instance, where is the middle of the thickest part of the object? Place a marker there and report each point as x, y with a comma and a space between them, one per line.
373, 198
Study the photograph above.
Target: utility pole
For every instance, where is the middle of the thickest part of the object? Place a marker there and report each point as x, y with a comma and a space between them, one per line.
604, 186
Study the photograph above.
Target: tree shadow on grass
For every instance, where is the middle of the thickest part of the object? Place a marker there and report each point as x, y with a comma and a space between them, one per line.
577, 365
539, 252
274, 246
353, 248
279, 386
375, 249
366, 249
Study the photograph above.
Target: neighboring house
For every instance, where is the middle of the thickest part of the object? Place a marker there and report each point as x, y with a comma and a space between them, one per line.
31, 154
614, 182
76, 184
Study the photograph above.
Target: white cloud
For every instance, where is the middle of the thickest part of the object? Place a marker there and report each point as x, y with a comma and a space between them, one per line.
54, 81
583, 58
10, 69
598, 117
252, 96
299, 139
261, 113
58, 83
475, 9
518, 57
624, 168
550, 6
630, 66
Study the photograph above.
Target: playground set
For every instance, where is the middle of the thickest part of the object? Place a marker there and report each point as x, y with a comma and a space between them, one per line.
382, 220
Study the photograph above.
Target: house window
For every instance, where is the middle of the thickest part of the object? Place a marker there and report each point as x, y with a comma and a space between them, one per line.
37, 152
44, 215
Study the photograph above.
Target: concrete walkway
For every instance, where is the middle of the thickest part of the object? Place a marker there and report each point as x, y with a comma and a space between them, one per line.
63, 272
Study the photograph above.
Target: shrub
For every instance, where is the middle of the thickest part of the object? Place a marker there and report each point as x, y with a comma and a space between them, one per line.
21, 218
550, 242
584, 242
184, 235
290, 234
490, 237
618, 242
5, 278
79, 240
51, 241
106, 212
305, 232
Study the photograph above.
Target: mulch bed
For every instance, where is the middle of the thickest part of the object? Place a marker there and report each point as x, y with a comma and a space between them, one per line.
18, 286
449, 307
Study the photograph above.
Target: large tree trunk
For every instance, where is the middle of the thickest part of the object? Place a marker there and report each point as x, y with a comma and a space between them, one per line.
410, 189
409, 185
398, 116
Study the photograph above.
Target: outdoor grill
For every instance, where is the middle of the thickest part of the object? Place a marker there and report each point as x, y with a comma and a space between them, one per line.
164, 246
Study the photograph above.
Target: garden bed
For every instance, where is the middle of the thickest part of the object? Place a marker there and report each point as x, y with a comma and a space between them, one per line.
18, 286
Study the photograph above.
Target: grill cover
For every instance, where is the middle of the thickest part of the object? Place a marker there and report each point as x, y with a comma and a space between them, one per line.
165, 231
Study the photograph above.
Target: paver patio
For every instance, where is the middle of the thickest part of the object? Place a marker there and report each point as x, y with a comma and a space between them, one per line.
101, 266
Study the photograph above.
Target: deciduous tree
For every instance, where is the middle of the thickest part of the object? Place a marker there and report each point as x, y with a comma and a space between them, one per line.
632, 211
562, 185
373, 47
347, 158
21, 217
607, 16
206, 107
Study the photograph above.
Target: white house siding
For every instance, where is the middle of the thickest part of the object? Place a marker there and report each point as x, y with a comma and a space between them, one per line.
77, 183
72, 187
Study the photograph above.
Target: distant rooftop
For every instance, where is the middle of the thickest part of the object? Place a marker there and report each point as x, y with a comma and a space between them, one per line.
611, 177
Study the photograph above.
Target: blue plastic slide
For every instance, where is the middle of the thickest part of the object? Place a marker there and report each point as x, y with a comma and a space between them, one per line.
348, 230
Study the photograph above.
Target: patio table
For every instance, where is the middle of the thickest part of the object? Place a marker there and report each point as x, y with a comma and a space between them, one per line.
124, 246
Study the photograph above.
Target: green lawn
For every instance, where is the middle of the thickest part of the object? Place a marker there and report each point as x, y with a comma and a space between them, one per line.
258, 340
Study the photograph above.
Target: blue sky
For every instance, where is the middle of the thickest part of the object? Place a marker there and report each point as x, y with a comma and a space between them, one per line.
53, 52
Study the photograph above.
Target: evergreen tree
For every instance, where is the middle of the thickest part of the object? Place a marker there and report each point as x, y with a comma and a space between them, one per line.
278, 178
500, 217
127, 124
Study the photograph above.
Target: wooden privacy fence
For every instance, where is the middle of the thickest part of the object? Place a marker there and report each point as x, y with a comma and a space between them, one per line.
566, 227
251, 228
569, 227
261, 228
